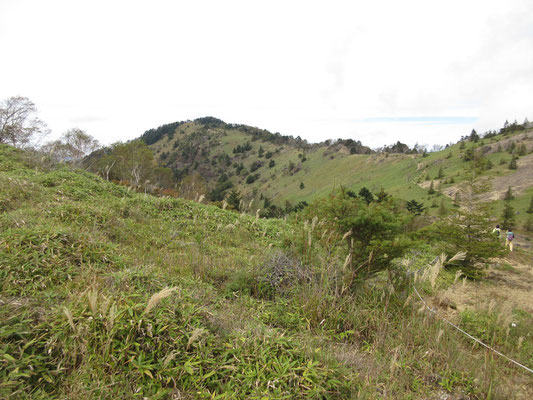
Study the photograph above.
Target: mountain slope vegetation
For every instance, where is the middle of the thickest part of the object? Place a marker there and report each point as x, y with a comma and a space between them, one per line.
107, 292
211, 157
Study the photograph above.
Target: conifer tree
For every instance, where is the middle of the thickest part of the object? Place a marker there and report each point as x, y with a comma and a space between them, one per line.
528, 224
382, 195
468, 229
415, 207
508, 195
457, 200
366, 195
508, 218
530, 209
443, 211
431, 189
234, 199
512, 163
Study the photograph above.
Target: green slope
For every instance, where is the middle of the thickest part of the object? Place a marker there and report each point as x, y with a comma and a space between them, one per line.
107, 293
303, 172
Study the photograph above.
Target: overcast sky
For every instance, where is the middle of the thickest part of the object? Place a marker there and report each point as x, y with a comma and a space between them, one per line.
376, 71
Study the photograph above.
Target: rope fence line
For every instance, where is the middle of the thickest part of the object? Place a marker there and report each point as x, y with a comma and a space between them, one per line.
469, 335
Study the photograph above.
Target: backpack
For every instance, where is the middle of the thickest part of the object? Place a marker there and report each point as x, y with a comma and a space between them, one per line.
510, 236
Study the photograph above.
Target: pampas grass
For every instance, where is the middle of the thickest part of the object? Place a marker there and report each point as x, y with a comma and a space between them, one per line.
156, 298
67, 312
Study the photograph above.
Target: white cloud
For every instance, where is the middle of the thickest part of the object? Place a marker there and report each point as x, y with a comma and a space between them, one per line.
305, 68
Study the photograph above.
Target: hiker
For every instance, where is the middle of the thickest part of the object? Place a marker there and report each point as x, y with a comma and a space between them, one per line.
509, 239
496, 231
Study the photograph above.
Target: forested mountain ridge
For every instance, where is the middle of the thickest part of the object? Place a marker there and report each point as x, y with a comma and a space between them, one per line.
212, 158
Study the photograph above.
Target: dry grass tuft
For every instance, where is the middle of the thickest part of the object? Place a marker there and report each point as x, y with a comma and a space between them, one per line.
346, 235
156, 298
67, 312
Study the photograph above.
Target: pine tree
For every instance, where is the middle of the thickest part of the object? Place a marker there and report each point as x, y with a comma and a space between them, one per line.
440, 175
415, 207
530, 209
302, 185
382, 195
234, 199
468, 229
443, 211
528, 224
508, 218
457, 200
512, 163
474, 137
508, 195
431, 189
366, 195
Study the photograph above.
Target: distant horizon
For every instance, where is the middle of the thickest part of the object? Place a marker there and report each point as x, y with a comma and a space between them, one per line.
419, 119
414, 71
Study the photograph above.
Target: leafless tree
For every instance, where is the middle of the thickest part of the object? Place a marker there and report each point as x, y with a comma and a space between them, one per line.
18, 123
72, 146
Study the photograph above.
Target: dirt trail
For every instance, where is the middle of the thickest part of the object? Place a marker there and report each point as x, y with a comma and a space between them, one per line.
508, 287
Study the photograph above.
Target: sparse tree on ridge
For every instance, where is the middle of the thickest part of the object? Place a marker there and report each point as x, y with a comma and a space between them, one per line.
474, 137
72, 146
18, 123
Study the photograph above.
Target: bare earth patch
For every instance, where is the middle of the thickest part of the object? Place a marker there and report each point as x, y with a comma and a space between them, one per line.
520, 180
509, 286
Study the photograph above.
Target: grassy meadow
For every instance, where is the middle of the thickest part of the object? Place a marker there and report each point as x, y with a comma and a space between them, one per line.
108, 293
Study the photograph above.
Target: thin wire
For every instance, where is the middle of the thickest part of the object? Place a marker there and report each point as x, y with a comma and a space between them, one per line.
469, 335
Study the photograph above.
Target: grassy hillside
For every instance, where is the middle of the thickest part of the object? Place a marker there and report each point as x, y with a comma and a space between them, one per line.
85, 312
107, 293
284, 169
